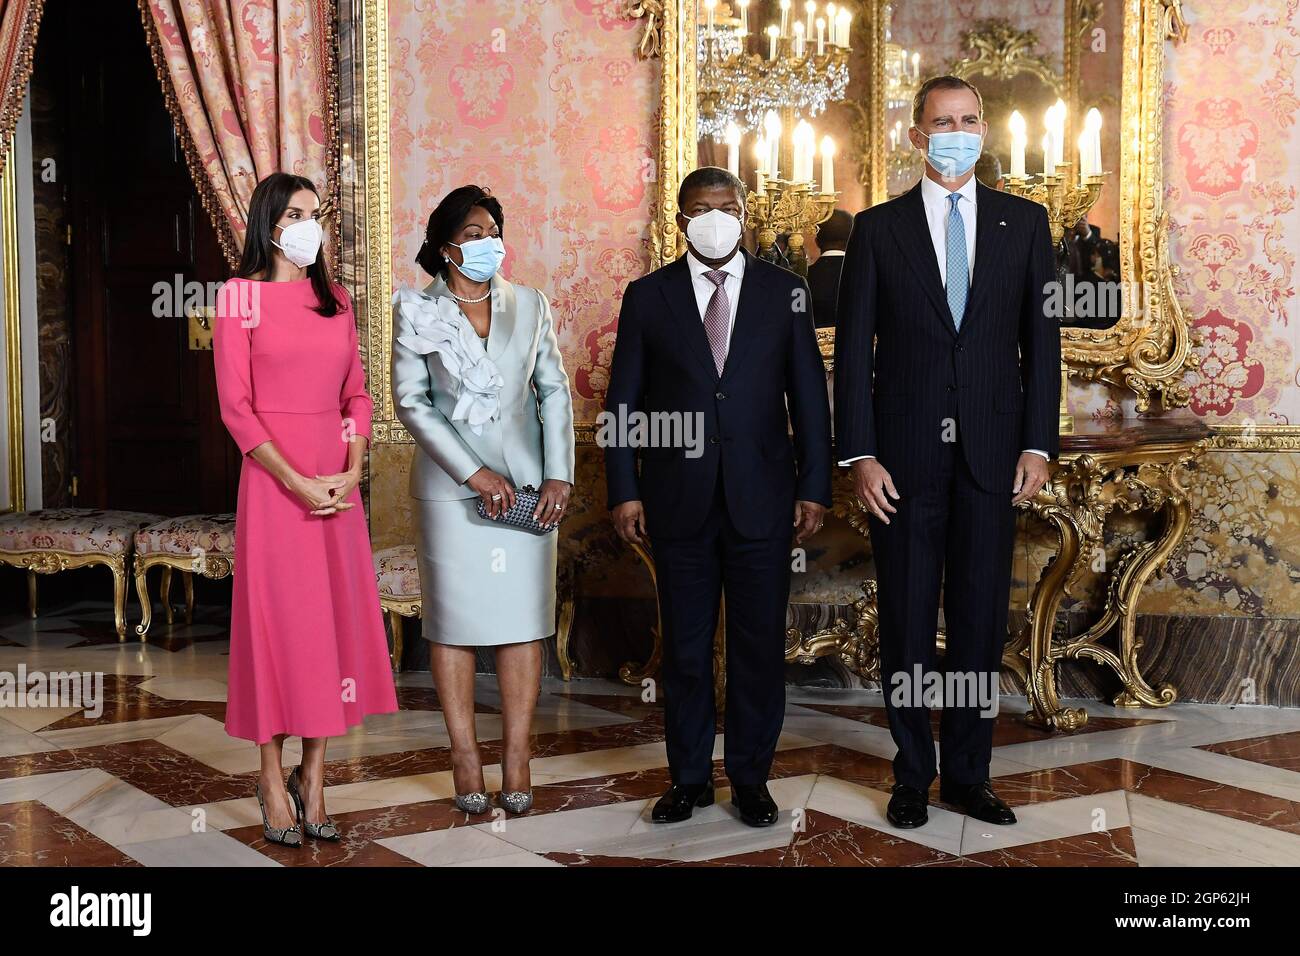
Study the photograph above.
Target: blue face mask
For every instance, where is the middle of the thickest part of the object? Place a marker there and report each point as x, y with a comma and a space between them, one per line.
482, 258
953, 154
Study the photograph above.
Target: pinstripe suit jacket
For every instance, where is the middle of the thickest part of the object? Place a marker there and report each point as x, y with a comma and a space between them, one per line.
903, 372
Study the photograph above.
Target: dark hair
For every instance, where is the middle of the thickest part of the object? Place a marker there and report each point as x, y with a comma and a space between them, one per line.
988, 169
834, 232
709, 177
947, 82
448, 218
270, 200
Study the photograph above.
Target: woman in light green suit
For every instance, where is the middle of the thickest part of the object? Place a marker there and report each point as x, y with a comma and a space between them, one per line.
478, 382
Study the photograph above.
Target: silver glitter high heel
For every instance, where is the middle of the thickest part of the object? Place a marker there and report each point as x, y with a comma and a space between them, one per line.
515, 801
289, 836
472, 803
317, 831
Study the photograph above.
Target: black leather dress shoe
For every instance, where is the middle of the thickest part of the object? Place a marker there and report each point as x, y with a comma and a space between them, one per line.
676, 805
977, 800
756, 806
907, 808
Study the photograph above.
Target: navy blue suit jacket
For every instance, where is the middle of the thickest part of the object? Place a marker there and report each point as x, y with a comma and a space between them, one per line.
902, 369
766, 418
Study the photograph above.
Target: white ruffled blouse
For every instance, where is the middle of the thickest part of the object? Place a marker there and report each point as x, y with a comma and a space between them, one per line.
441, 327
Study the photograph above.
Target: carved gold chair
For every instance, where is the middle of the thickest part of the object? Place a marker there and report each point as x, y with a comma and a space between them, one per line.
57, 539
398, 576
191, 544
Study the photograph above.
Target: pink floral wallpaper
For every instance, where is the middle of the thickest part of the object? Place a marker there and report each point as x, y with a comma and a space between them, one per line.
545, 103
1232, 165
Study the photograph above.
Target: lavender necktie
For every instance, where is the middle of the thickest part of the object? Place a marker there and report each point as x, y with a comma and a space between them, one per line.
717, 318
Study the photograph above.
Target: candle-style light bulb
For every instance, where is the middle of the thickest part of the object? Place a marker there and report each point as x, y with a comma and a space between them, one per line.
785, 18
828, 165
842, 21
773, 33
1092, 124
1019, 140
798, 39
733, 149
810, 8
821, 36
744, 18
772, 124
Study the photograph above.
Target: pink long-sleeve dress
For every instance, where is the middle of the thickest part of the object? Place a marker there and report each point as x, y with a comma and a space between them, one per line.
308, 653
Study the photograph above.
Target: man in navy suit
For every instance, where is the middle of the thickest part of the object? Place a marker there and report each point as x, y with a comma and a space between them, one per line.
947, 378
725, 340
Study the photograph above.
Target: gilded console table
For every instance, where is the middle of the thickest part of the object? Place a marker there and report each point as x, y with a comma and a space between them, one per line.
1128, 467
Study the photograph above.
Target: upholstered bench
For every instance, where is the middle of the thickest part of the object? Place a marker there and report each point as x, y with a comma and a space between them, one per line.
191, 544
398, 576
57, 539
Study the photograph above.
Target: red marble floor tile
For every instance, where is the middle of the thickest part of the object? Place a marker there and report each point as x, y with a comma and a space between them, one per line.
1007, 728
359, 830
1275, 750
31, 834
1240, 803
426, 698
827, 840
1108, 848
169, 775
125, 700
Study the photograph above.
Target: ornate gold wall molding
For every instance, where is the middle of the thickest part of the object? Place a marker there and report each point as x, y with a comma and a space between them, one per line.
12, 337
1260, 438
373, 27
1150, 352
670, 34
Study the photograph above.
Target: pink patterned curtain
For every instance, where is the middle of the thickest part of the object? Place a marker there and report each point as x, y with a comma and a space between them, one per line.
251, 86
18, 22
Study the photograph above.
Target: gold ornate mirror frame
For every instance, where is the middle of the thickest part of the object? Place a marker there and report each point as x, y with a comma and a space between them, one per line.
1147, 353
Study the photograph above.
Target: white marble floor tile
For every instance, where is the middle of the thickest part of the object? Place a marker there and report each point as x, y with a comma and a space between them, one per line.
1037, 822
1219, 833
866, 806
445, 847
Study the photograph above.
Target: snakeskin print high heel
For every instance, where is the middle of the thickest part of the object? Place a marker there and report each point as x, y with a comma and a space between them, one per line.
317, 831
289, 836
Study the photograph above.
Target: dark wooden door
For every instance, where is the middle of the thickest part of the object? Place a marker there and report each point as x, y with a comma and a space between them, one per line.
148, 431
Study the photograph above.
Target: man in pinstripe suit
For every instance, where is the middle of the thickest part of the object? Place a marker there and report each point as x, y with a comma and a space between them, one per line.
947, 378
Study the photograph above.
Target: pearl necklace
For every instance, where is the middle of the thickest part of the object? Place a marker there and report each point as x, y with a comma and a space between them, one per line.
468, 301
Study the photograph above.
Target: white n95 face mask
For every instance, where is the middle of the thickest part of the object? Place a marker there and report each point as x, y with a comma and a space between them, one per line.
301, 242
714, 234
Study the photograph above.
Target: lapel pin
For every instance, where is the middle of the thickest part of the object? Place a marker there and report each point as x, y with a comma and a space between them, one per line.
1002, 223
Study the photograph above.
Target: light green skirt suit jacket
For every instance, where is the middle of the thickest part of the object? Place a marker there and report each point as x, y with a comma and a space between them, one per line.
503, 403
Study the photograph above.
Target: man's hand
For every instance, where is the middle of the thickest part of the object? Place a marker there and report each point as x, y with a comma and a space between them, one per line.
873, 485
808, 516
629, 522
1031, 474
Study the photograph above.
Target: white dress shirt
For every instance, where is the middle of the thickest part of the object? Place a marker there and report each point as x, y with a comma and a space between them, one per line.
934, 197
704, 287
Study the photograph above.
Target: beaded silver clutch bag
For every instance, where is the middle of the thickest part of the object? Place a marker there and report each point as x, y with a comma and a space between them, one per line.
521, 515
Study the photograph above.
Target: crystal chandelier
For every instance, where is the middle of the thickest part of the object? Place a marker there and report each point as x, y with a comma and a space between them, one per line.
795, 65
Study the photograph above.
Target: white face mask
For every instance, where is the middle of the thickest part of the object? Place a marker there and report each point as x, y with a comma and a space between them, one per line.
301, 242
714, 234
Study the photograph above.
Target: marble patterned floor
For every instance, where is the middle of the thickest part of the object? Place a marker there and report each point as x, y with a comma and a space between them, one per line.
154, 780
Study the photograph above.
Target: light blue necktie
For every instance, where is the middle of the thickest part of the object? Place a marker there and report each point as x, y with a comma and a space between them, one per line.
958, 276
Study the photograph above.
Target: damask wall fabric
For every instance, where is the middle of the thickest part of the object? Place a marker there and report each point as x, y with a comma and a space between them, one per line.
1232, 161
248, 85
548, 106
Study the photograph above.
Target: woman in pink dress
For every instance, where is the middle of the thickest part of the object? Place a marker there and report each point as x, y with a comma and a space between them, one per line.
308, 653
